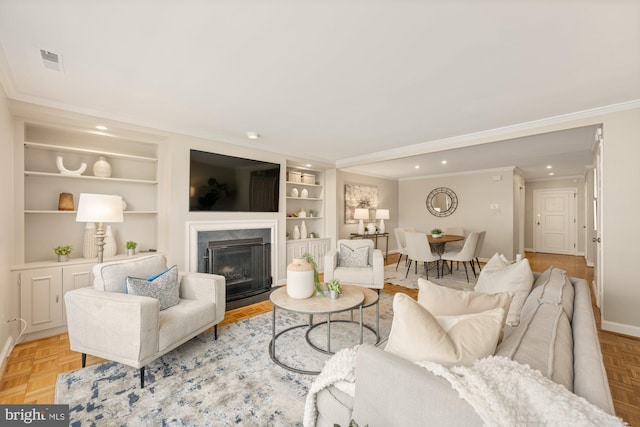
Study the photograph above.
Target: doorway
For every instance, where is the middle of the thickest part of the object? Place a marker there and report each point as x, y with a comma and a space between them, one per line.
555, 221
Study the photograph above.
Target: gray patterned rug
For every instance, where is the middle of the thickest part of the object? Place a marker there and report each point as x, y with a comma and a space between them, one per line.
231, 381
457, 280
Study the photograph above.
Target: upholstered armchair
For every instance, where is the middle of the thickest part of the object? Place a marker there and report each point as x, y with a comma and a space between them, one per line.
107, 322
355, 262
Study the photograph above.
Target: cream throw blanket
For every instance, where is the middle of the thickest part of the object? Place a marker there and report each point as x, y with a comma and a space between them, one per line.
506, 393
502, 392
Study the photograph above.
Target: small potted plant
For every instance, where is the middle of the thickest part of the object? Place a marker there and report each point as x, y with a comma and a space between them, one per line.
63, 252
335, 289
312, 213
131, 247
436, 232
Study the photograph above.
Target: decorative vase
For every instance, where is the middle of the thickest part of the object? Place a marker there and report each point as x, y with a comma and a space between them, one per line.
436, 235
304, 193
65, 171
102, 168
303, 231
109, 243
296, 233
89, 248
300, 284
302, 213
334, 294
294, 192
65, 202
131, 252
63, 258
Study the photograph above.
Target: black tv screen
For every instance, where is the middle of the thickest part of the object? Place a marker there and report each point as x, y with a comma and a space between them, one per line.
232, 184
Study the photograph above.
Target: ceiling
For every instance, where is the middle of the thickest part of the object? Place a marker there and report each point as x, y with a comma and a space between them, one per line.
337, 82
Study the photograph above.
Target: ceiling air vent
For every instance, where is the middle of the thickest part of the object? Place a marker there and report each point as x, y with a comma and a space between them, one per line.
51, 60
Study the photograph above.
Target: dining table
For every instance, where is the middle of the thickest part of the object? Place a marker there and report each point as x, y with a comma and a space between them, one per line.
438, 243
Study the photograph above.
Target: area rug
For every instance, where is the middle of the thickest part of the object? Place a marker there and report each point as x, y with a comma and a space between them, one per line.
231, 381
457, 280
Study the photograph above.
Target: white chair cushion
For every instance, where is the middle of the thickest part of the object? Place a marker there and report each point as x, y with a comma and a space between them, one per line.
110, 276
348, 275
177, 323
417, 335
500, 276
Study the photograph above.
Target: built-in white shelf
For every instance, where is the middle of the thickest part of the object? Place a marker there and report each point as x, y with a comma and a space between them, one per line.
95, 178
308, 217
304, 198
303, 184
39, 211
110, 154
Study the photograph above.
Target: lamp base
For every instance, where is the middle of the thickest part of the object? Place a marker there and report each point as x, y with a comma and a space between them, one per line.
361, 227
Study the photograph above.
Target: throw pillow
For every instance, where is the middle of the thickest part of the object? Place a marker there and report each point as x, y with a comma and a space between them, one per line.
164, 287
417, 335
500, 276
443, 301
349, 257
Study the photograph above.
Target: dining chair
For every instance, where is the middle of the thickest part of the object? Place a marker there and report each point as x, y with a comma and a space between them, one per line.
455, 246
467, 254
402, 243
479, 248
419, 250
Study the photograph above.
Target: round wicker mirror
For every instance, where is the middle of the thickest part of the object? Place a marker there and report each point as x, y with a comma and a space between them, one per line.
442, 201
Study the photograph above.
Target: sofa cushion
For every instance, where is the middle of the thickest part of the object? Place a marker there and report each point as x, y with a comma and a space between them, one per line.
553, 286
163, 286
417, 335
178, 323
443, 301
544, 341
500, 276
353, 257
110, 276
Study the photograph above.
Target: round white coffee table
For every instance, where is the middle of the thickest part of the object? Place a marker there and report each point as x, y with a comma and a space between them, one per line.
352, 297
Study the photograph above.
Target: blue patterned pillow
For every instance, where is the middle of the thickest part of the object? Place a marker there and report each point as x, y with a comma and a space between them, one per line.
163, 286
358, 257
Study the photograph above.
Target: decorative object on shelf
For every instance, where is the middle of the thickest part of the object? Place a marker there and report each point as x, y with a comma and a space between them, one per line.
294, 192
373, 228
300, 283
436, 232
124, 205
131, 247
65, 202
63, 252
110, 248
312, 213
361, 214
89, 248
335, 289
442, 201
308, 178
102, 168
302, 213
382, 214
312, 235
296, 233
65, 171
100, 208
303, 231
304, 193
294, 176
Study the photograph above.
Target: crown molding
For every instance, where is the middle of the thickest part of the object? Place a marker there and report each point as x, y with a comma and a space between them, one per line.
473, 172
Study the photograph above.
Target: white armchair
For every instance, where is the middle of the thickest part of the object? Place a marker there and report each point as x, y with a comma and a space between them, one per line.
368, 273
106, 322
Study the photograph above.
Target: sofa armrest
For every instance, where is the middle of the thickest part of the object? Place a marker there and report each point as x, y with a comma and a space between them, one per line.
378, 269
204, 286
393, 391
330, 264
119, 327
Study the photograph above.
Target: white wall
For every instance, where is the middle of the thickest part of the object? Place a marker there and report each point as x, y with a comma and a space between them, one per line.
476, 193
387, 199
9, 302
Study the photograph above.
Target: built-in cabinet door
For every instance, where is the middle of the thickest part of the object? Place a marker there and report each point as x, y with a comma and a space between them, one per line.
74, 277
318, 248
295, 250
41, 298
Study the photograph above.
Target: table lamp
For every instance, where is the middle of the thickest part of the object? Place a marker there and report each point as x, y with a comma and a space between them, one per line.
382, 214
361, 214
99, 208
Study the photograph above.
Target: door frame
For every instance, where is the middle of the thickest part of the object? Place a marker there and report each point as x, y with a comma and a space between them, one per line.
573, 209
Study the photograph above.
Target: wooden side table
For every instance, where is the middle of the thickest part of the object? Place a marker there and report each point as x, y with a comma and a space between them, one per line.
374, 236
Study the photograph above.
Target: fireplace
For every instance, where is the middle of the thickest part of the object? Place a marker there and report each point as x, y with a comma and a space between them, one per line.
244, 263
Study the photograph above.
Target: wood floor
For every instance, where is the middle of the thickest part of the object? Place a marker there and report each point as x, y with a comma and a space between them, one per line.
33, 367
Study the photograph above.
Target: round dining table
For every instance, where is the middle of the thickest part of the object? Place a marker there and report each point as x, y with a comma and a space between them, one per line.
437, 243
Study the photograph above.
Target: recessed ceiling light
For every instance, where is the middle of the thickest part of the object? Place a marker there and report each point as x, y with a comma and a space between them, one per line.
100, 127
417, 166
308, 165
549, 166
551, 173
253, 135
444, 162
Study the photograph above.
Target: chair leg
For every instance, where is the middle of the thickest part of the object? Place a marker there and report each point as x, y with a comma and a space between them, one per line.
408, 268
426, 269
84, 359
473, 268
399, 259
142, 377
478, 262
215, 332
465, 270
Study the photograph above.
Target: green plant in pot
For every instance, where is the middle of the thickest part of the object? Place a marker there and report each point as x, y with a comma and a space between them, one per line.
335, 289
316, 279
131, 247
436, 232
63, 252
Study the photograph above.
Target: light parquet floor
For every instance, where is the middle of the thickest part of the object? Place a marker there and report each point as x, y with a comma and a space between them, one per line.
33, 367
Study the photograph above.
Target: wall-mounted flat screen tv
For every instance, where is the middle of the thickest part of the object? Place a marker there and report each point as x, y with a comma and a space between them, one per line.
232, 184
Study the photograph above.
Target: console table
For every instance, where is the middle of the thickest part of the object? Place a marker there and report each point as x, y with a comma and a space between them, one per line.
374, 236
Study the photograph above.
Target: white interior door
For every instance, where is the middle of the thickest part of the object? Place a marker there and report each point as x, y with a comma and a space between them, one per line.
597, 223
555, 220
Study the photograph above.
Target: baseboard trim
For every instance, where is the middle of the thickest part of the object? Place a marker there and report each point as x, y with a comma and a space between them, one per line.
621, 328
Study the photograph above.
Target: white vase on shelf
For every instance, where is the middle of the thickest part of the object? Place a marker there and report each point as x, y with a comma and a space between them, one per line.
303, 231
294, 192
102, 168
109, 243
304, 193
296, 233
89, 248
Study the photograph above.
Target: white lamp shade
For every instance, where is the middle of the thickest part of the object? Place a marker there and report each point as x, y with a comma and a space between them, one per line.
382, 213
361, 214
99, 208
